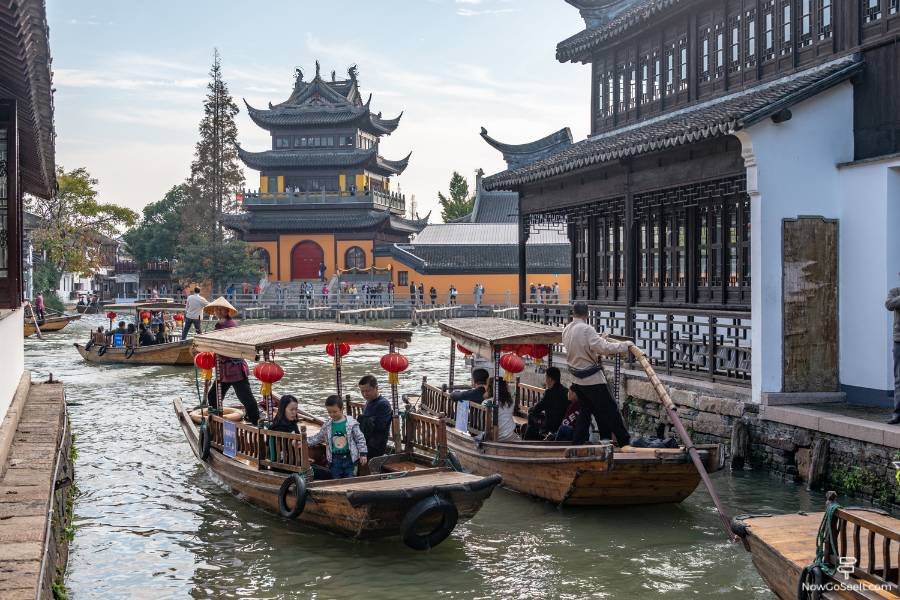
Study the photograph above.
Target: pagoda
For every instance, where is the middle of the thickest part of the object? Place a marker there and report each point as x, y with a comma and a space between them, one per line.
325, 193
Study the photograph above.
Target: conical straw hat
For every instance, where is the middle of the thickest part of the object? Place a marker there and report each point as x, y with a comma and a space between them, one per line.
220, 302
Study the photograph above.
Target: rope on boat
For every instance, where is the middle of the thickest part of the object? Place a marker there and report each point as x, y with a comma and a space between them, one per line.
813, 574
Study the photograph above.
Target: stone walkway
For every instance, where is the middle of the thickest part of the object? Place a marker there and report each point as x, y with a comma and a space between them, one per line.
26, 495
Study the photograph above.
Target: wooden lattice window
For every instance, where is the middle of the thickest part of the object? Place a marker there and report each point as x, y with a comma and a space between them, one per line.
645, 79
705, 42
806, 16
750, 37
787, 27
355, 258
871, 10
734, 59
683, 60
769, 30
825, 18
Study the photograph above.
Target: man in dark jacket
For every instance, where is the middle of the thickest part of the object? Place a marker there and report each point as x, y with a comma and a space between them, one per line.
893, 304
546, 416
375, 420
477, 393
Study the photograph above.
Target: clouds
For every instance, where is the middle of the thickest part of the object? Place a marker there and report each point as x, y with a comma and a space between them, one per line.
466, 8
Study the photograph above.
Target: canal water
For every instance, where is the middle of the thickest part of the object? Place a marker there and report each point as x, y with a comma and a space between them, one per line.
152, 524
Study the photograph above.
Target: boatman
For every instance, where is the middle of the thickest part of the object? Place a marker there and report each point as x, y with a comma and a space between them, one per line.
583, 349
193, 311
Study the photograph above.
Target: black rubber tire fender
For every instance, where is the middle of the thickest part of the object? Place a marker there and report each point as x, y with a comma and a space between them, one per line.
298, 482
421, 509
205, 442
89, 345
101, 350
129, 352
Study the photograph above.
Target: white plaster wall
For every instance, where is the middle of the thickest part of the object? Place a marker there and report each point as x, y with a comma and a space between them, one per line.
870, 260
791, 171
12, 356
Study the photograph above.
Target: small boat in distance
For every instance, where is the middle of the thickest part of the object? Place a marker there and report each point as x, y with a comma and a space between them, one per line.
560, 472
52, 322
411, 493
101, 347
794, 554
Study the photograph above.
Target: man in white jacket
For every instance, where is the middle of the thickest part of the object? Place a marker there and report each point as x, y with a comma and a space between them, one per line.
583, 349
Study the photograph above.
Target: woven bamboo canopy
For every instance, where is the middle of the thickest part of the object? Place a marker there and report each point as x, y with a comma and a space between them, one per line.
247, 341
482, 334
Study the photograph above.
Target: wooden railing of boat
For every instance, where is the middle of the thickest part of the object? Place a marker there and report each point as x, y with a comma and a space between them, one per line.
427, 434
880, 542
438, 402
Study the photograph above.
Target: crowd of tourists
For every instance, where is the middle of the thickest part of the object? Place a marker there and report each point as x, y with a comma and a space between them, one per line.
543, 294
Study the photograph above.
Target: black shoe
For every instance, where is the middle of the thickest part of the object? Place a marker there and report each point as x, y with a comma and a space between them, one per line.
894, 420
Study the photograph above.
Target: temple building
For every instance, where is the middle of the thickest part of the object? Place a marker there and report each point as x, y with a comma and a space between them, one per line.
483, 246
325, 194
736, 205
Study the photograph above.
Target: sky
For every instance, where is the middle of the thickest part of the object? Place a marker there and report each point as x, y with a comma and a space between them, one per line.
130, 80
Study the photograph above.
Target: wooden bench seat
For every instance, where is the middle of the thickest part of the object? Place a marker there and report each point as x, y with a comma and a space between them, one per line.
401, 465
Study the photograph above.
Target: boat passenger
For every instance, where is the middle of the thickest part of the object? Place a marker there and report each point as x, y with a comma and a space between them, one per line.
506, 424
583, 349
286, 417
479, 389
566, 429
375, 420
345, 444
546, 416
131, 329
146, 338
193, 312
161, 334
231, 372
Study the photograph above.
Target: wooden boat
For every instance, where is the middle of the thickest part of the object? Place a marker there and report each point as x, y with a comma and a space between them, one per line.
175, 352
410, 493
49, 324
172, 353
590, 475
862, 547
87, 309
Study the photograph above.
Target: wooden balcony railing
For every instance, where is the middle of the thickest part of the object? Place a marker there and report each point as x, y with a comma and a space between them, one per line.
873, 556
694, 342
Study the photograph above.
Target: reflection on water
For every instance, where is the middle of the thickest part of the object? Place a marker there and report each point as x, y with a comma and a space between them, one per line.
153, 524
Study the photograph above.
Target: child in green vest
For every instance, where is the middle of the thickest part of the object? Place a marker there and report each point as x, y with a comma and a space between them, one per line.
345, 444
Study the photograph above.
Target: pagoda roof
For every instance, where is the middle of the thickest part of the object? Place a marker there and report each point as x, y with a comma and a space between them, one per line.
287, 159
714, 118
519, 155
291, 219
322, 103
620, 16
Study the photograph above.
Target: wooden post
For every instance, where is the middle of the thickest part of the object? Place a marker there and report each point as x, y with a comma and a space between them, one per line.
740, 445
218, 384
441, 439
395, 407
337, 368
495, 412
818, 461
304, 449
452, 363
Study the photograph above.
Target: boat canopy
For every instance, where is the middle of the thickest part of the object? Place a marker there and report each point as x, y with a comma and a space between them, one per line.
247, 341
163, 304
482, 334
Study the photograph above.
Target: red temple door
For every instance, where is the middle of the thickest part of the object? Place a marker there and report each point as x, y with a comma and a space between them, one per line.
305, 260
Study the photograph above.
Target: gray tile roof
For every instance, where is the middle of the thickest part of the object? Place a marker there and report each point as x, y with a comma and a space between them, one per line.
306, 221
519, 155
578, 48
495, 207
713, 118
484, 234
456, 258
288, 159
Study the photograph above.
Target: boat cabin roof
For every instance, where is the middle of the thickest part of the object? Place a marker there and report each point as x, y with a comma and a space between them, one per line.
247, 341
163, 304
480, 334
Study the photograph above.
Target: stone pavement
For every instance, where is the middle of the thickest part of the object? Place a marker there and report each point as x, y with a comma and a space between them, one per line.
38, 458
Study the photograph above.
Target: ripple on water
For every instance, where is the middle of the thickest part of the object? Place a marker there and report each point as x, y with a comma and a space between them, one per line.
153, 524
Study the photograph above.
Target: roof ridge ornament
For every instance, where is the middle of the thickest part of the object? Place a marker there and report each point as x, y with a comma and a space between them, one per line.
353, 72
318, 69
298, 76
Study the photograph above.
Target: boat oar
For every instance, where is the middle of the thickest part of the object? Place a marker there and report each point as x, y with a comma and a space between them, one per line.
34, 320
683, 434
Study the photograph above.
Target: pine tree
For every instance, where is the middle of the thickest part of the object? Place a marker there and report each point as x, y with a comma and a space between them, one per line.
216, 173
216, 176
460, 203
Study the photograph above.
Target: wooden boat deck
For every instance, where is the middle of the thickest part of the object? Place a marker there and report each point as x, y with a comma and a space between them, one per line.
406, 481
783, 545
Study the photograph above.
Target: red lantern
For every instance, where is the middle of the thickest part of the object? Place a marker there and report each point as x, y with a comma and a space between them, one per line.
511, 365
145, 316
268, 373
111, 315
205, 361
343, 348
524, 350
394, 363
178, 317
538, 352
464, 350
